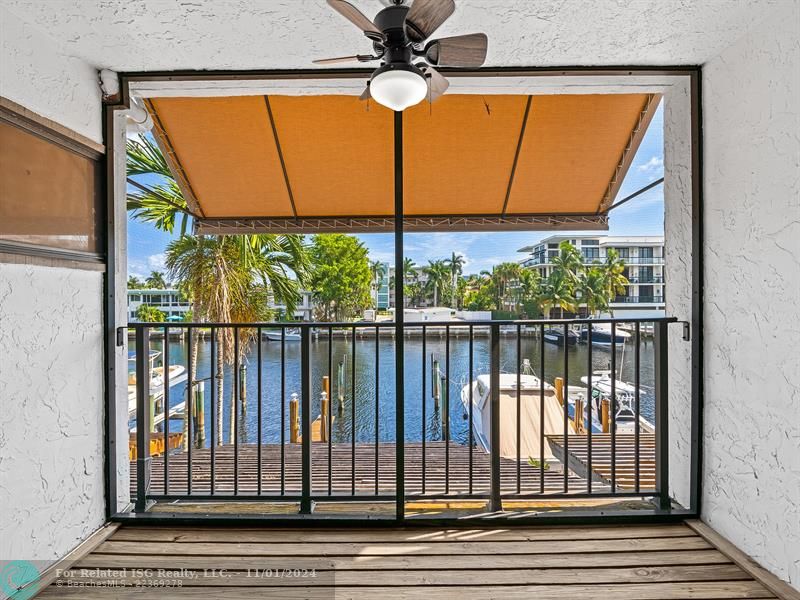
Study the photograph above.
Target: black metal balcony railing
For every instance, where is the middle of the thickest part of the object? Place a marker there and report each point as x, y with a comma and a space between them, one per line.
650, 279
335, 442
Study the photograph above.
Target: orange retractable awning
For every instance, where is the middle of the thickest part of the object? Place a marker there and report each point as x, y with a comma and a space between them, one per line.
326, 163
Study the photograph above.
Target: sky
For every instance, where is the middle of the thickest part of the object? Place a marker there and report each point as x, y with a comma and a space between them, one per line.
643, 215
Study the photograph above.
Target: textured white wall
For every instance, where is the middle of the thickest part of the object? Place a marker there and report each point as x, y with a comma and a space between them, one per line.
51, 339
751, 114
51, 422
36, 72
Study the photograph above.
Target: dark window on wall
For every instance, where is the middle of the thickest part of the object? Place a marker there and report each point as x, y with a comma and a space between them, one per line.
49, 194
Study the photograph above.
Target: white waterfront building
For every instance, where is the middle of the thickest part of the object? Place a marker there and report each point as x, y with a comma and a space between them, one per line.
644, 260
172, 303
169, 301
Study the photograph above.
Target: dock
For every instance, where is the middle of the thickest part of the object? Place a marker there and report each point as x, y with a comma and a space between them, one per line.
625, 458
446, 471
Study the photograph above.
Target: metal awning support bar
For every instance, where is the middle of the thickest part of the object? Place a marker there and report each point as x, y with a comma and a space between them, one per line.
399, 319
639, 192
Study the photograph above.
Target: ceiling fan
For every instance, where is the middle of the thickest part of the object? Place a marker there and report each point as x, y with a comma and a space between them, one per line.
398, 34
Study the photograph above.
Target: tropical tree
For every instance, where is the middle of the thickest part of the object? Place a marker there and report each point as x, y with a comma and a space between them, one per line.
150, 314
558, 291
568, 263
227, 278
134, 283
592, 289
156, 281
229, 283
378, 271
438, 277
456, 263
529, 291
341, 277
613, 276
505, 276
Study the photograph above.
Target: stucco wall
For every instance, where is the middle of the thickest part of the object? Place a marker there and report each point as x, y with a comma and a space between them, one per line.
751, 104
51, 394
51, 339
38, 74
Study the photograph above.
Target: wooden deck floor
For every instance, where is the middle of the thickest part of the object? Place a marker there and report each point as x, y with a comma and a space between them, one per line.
625, 563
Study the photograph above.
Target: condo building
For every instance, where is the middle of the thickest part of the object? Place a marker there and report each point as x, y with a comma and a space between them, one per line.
644, 268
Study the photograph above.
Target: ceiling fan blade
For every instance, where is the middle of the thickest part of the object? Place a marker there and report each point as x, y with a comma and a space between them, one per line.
425, 16
338, 59
355, 16
365, 95
458, 51
341, 59
437, 82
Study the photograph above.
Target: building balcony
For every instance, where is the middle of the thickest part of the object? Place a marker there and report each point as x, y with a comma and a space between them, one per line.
638, 300
651, 279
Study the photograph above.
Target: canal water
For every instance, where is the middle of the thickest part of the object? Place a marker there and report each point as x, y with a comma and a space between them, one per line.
374, 396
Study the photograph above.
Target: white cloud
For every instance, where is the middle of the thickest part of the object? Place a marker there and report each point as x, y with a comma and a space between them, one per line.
654, 165
156, 262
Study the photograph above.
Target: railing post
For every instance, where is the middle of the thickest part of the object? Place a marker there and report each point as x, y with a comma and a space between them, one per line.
305, 418
662, 413
495, 504
142, 414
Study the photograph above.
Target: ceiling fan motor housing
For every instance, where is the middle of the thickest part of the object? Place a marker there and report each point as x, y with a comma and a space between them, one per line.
392, 22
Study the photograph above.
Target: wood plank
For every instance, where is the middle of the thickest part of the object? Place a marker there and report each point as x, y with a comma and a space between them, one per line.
150, 534
453, 562
407, 577
230, 548
634, 591
50, 574
780, 588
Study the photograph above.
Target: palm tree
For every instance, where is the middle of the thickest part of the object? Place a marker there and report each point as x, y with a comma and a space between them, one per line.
156, 281
227, 278
613, 276
227, 284
592, 288
134, 283
558, 291
160, 204
438, 274
504, 276
410, 292
378, 270
529, 292
569, 262
456, 262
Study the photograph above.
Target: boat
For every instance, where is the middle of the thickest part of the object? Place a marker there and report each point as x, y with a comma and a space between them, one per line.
556, 336
290, 335
601, 335
531, 403
626, 402
177, 374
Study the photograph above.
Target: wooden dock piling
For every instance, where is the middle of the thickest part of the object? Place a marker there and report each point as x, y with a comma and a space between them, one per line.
200, 412
294, 421
324, 408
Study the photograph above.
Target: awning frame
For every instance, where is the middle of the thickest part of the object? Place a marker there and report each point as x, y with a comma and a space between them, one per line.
414, 223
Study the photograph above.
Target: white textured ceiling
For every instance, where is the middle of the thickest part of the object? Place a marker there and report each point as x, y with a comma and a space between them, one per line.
148, 35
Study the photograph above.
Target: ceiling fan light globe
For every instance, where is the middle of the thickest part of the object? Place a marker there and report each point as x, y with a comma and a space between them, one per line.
398, 89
